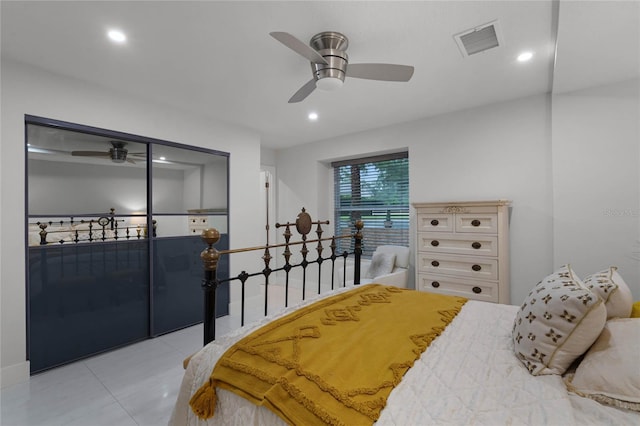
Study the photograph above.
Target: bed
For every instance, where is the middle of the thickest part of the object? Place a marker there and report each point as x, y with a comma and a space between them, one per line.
478, 368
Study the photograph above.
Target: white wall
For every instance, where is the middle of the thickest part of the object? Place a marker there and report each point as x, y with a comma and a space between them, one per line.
214, 187
501, 151
496, 152
569, 163
26, 90
58, 187
192, 188
84, 188
268, 156
596, 147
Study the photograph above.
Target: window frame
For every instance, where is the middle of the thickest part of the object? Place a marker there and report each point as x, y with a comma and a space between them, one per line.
386, 223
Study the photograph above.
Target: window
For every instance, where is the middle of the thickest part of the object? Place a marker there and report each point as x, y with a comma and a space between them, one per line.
376, 191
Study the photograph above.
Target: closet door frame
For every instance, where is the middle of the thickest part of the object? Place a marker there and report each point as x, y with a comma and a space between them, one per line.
151, 239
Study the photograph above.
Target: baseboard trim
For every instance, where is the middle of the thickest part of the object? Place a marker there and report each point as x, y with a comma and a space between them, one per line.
14, 374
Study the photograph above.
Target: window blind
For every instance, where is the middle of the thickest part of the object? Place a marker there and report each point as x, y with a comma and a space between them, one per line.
376, 191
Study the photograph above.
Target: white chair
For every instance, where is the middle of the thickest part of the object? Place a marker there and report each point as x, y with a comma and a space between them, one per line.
388, 265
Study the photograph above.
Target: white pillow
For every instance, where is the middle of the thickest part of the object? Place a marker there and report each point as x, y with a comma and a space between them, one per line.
402, 254
57, 233
557, 323
381, 264
614, 292
610, 371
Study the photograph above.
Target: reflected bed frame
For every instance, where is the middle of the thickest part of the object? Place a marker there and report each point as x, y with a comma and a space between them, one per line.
104, 228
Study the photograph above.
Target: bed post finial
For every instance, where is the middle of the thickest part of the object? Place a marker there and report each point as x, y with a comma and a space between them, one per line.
43, 233
210, 257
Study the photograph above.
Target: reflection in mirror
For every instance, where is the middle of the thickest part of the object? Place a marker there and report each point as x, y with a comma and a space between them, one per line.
98, 277
181, 226
78, 173
70, 230
186, 180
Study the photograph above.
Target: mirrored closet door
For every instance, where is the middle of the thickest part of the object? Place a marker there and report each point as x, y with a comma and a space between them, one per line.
113, 237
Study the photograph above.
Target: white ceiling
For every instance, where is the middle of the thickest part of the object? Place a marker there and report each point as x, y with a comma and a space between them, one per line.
216, 58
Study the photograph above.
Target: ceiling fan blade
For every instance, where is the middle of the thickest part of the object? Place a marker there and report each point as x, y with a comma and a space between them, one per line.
90, 154
129, 160
385, 72
39, 150
304, 91
299, 47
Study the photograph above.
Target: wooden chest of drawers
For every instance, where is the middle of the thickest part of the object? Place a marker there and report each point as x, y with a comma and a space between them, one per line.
462, 248
197, 224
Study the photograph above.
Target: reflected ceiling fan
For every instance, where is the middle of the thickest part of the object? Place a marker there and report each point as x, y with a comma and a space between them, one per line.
330, 63
117, 154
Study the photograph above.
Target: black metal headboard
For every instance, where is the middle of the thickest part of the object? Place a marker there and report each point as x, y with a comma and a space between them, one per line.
303, 225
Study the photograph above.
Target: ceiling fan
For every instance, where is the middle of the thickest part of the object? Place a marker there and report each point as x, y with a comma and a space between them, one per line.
117, 154
330, 63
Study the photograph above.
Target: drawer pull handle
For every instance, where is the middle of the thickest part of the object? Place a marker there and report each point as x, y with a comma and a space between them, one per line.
435, 284
477, 290
475, 222
435, 263
476, 245
435, 222
435, 243
476, 267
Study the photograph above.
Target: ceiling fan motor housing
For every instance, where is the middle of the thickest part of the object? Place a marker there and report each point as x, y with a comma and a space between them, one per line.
118, 152
329, 63
331, 45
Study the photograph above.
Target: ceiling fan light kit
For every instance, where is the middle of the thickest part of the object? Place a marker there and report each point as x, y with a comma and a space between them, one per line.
330, 63
330, 84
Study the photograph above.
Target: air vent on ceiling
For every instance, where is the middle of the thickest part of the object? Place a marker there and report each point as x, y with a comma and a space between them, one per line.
479, 39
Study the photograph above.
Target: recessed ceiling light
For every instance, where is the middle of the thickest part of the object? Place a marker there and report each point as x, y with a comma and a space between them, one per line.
117, 36
525, 56
313, 116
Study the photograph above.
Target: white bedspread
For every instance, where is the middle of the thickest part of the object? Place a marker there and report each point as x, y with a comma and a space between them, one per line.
468, 375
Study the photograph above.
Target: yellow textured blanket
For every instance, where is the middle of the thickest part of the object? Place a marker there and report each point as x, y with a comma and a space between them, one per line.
335, 361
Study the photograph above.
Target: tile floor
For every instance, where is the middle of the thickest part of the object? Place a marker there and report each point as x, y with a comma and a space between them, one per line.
135, 385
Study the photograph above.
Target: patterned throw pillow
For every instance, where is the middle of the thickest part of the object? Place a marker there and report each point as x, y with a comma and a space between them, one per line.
381, 264
613, 291
557, 323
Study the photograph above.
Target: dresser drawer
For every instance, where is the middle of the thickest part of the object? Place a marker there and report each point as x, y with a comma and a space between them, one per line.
461, 266
475, 245
435, 222
199, 220
197, 229
478, 290
483, 223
